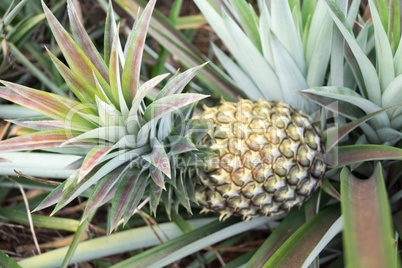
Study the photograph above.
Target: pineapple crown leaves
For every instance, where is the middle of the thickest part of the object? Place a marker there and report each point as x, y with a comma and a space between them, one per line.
288, 49
130, 147
378, 87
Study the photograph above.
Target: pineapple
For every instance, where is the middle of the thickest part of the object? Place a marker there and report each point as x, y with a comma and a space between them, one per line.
267, 159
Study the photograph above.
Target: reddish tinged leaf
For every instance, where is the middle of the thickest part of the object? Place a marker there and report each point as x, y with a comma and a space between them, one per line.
109, 196
75, 189
122, 195
352, 154
75, 57
135, 196
18, 99
34, 141
330, 189
169, 104
178, 82
114, 72
52, 105
52, 198
40, 125
101, 191
84, 92
5, 160
84, 41
132, 119
156, 191
294, 220
158, 158
334, 135
180, 145
144, 90
110, 30
297, 248
188, 54
157, 177
91, 160
368, 231
132, 66
115, 81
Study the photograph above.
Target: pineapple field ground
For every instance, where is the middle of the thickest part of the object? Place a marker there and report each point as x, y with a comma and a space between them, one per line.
200, 133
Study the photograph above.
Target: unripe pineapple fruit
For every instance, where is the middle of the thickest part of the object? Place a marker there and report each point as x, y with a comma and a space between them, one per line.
267, 159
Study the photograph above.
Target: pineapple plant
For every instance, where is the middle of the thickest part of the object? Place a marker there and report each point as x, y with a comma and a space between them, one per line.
269, 164
267, 152
129, 148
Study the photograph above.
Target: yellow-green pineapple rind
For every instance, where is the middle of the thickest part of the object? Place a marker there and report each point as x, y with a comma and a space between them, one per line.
268, 159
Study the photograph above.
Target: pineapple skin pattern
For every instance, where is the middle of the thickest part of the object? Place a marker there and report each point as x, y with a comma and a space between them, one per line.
268, 159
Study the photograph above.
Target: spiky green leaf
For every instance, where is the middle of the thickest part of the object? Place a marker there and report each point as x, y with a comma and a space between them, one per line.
367, 221
132, 66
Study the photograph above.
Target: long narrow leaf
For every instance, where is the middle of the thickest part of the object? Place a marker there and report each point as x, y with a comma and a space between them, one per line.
52, 105
334, 135
38, 140
92, 159
293, 221
348, 95
111, 244
81, 230
371, 81
237, 74
41, 221
75, 57
317, 45
176, 84
84, 41
285, 30
132, 66
384, 55
296, 250
81, 89
169, 104
353, 154
128, 189
367, 219
246, 15
102, 189
6, 261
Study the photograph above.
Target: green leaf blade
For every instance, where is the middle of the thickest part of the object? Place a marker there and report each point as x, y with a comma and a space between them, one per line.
353, 154
132, 66
84, 41
370, 78
293, 221
297, 249
158, 158
367, 221
38, 140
